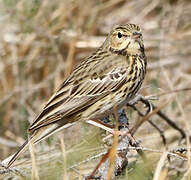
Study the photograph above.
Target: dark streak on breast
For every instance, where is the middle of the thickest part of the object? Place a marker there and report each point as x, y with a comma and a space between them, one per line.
129, 79
131, 71
132, 86
136, 88
134, 78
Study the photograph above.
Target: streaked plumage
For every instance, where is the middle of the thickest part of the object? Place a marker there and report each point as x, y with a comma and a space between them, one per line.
110, 76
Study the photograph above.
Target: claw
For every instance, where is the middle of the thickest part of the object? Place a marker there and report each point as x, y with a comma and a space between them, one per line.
147, 104
145, 100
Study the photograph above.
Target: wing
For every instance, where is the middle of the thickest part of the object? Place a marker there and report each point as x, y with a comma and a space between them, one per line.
74, 96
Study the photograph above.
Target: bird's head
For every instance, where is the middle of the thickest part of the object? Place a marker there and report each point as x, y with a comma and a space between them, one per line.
126, 40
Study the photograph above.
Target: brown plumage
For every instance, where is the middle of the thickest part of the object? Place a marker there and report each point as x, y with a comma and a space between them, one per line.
110, 77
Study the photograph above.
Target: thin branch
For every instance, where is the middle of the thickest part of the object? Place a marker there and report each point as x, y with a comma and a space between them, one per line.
173, 91
166, 118
153, 124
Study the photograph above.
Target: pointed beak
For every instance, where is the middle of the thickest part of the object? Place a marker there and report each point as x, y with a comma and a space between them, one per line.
136, 35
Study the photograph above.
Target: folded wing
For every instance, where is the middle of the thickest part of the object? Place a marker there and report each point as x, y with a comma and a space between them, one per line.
71, 98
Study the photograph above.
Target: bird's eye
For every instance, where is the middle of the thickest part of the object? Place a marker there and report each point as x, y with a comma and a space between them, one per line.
119, 35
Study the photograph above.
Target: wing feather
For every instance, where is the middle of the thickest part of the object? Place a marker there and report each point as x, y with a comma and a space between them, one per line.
74, 97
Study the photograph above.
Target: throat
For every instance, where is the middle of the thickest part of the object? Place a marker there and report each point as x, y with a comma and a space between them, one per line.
133, 51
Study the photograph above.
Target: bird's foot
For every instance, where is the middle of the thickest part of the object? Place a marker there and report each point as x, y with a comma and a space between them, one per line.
144, 99
121, 117
105, 123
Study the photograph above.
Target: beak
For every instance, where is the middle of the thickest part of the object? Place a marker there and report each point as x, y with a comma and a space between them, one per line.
136, 35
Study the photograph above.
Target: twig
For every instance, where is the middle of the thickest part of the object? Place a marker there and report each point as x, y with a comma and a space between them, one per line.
171, 153
165, 118
12, 170
174, 91
161, 132
87, 160
160, 165
135, 128
154, 125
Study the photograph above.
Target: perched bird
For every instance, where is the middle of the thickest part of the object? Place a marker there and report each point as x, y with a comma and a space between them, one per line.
110, 77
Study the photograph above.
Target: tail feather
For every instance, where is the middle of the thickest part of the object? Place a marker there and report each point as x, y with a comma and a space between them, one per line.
10, 160
35, 138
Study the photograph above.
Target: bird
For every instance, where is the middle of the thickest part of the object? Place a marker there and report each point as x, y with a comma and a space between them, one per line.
110, 77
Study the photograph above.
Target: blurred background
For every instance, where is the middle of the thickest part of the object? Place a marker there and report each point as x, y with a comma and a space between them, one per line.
41, 42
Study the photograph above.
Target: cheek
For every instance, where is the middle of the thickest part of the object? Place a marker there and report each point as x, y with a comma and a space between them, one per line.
124, 44
115, 42
119, 44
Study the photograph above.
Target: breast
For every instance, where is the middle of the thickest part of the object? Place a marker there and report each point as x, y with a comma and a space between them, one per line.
135, 76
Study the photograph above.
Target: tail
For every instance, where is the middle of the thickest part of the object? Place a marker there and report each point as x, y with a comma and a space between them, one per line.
11, 159
37, 136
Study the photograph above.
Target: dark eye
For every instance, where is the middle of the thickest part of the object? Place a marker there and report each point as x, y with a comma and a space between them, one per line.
119, 35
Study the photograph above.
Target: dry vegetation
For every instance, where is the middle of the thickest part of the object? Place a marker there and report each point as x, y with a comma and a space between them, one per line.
40, 42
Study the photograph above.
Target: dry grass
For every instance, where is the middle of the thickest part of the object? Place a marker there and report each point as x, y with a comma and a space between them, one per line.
41, 41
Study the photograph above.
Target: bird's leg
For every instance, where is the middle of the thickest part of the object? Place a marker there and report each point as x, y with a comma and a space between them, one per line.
104, 124
107, 128
135, 100
144, 99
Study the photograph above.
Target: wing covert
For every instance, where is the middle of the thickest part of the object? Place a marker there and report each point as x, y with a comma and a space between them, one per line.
71, 98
